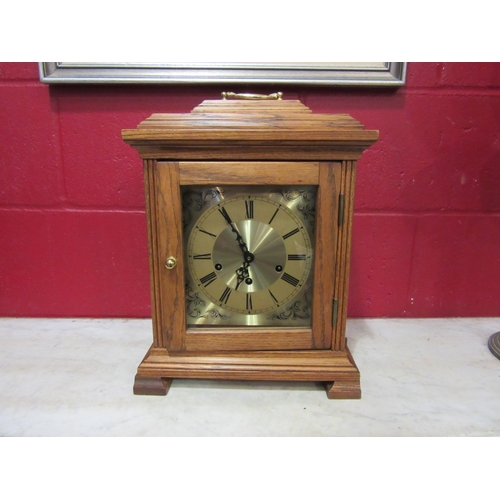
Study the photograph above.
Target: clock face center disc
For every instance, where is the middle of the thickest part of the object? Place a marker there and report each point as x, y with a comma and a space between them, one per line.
265, 246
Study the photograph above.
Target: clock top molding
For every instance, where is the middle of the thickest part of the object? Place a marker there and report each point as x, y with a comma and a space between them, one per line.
248, 130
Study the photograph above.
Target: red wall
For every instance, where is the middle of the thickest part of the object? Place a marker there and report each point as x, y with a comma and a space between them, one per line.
427, 222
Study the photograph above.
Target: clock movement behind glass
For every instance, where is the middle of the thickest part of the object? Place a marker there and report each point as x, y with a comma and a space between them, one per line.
249, 206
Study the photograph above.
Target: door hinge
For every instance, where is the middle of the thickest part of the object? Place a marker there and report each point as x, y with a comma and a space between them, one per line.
335, 311
341, 209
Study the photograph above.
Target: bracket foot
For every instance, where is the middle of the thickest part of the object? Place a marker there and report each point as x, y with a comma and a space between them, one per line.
343, 390
150, 386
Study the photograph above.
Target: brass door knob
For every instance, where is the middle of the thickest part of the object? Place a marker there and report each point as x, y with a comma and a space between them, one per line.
171, 262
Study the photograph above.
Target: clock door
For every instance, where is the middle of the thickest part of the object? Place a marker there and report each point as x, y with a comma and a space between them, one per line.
246, 257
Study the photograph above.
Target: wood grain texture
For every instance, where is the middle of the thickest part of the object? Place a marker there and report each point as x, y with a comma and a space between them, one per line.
343, 252
262, 173
151, 386
347, 256
169, 235
249, 339
324, 263
322, 365
343, 390
337, 331
152, 222
250, 130
314, 135
237, 150
257, 142
339, 283
241, 120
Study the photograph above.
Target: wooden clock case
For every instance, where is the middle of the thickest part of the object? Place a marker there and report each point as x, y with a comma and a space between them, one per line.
248, 142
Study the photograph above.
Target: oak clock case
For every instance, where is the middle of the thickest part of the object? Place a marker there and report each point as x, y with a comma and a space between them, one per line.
249, 207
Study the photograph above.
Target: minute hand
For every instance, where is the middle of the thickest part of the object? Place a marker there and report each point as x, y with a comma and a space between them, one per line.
240, 241
246, 254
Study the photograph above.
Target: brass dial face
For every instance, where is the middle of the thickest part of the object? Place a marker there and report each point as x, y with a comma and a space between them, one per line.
249, 256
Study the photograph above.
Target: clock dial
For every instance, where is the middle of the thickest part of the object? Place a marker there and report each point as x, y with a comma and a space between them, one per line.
249, 258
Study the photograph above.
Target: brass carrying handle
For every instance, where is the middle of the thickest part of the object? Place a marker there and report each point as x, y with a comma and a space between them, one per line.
232, 95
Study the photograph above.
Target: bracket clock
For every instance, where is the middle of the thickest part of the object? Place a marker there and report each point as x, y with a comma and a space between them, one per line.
249, 203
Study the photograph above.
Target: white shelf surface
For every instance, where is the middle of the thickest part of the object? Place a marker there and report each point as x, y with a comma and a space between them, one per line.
419, 377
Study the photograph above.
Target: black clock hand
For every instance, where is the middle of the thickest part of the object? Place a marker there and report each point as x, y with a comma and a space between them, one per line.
247, 256
240, 241
243, 246
242, 273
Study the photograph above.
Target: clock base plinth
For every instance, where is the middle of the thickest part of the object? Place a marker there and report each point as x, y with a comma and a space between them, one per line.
151, 386
335, 368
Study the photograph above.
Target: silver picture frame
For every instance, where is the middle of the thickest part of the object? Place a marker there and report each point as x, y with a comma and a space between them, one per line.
319, 74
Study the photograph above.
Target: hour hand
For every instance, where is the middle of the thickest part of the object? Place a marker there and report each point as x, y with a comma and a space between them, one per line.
241, 274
